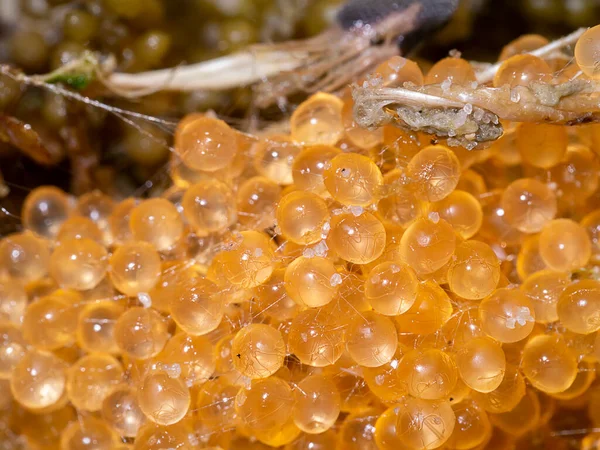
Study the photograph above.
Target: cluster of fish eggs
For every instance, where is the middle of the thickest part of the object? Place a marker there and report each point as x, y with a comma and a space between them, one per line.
330, 287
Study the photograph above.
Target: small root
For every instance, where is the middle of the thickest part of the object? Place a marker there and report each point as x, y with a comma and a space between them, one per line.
470, 115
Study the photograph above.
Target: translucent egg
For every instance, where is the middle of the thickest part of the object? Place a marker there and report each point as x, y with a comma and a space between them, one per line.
371, 340
206, 144
158, 222
141, 333
434, 172
495, 229
215, 404
507, 315
174, 273
98, 207
578, 307
316, 338
118, 221
586, 52
357, 239
541, 145
388, 436
164, 399
472, 427
386, 158
121, 410
152, 436
402, 207
91, 379
544, 289
309, 166
522, 418
209, 206
192, 356
576, 176
506, 396
317, 404
430, 311
528, 205
78, 264
457, 70
580, 345
474, 270
312, 282
504, 150
427, 245
301, 217
40, 288
44, 211
272, 297
523, 44
251, 262
318, 120
224, 367
353, 179
13, 300
79, 228
529, 260
24, 257
135, 268
385, 381
415, 423
403, 144
257, 200
397, 70
429, 374
216, 270
196, 306
521, 70
584, 379
274, 157
88, 432
358, 430
50, 322
565, 245
481, 364
351, 292
12, 348
266, 405
461, 210
473, 183
355, 394
391, 288
280, 436
95, 326
183, 176
258, 351
39, 380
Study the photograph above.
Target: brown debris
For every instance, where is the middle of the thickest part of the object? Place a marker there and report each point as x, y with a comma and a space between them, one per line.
26, 139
